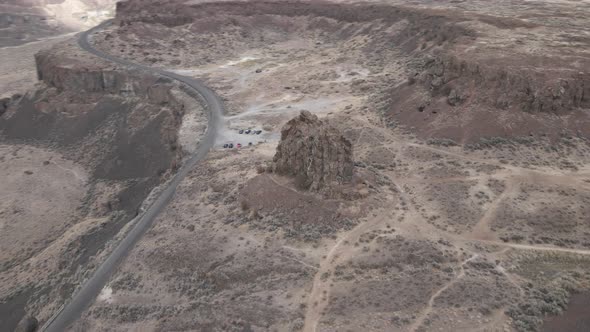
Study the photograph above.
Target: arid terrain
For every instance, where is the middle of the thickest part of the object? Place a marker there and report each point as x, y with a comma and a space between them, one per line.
444, 186
24, 21
28, 26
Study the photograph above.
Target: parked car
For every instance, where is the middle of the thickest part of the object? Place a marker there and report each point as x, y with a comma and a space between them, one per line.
231, 145
258, 132
248, 131
250, 144
225, 146
238, 145
241, 131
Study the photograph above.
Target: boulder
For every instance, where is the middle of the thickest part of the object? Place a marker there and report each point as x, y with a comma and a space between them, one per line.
314, 153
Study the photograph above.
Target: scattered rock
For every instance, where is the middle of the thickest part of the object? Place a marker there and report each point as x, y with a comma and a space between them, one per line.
315, 153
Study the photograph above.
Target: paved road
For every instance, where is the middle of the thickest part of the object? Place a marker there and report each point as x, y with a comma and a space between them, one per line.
92, 287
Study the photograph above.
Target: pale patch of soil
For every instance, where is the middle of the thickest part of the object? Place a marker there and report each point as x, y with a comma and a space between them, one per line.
239, 249
17, 70
194, 122
40, 193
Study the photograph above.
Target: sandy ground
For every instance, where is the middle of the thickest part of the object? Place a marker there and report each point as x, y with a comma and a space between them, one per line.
34, 182
42, 193
439, 237
429, 246
78, 14
18, 66
194, 122
63, 20
22, 22
57, 221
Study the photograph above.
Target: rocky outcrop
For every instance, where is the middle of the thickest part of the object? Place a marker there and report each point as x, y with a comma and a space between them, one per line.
532, 91
315, 153
60, 72
120, 124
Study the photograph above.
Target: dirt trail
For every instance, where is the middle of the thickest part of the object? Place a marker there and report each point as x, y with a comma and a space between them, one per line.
420, 319
446, 180
320, 292
482, 230
414, 225
538, 248
456, 155
546, 174
281, 252
79, 177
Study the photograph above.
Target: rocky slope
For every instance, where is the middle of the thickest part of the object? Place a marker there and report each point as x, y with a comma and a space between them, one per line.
469, 76
85, 101
529, 91
122, 128
315, 153
23, 21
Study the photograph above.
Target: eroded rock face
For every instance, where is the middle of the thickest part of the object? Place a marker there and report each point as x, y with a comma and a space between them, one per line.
518, 89
97, 76
315, 153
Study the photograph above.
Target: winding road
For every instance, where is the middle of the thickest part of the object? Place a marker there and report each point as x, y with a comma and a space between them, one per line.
90, 289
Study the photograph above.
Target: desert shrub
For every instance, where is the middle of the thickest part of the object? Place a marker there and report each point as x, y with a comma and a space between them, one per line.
499, 142
441, 142
297, 324
244, 205
260, 169
127, 282
529, 314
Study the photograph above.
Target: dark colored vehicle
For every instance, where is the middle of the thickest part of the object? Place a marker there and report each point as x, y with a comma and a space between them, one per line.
231, 145
248, 131
241, 131
258, 132
250, 144
225, 146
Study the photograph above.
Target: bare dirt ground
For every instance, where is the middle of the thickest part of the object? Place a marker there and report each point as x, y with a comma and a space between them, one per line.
442, 237
490, 235
25, 21
66, 196
35, 181
30, 26
18, 70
